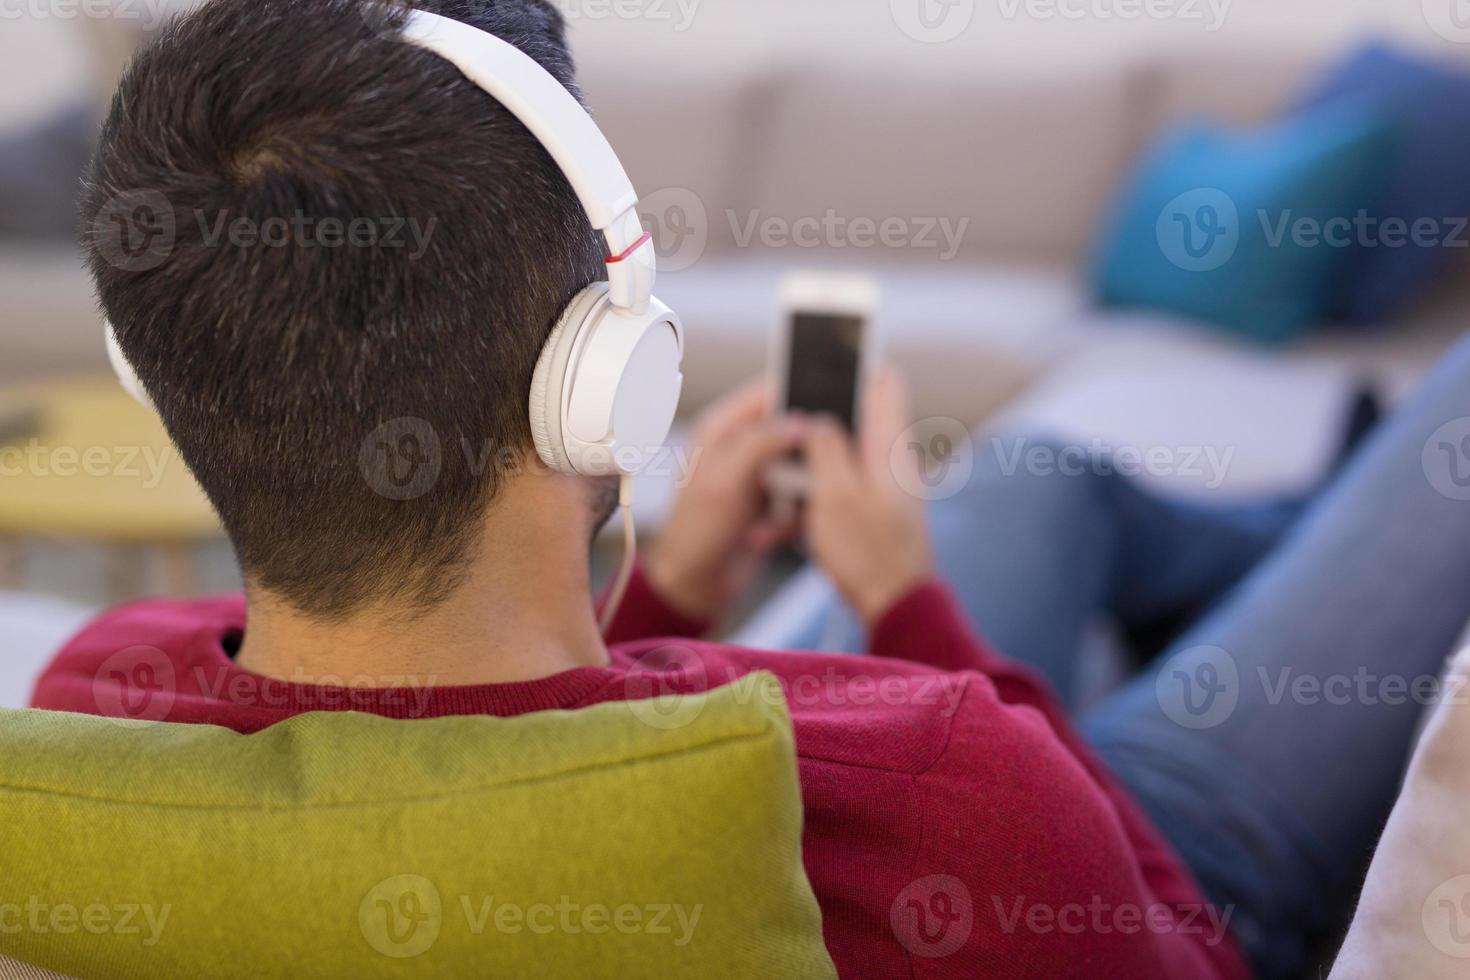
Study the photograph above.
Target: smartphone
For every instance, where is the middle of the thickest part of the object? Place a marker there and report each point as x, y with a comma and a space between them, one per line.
821, 352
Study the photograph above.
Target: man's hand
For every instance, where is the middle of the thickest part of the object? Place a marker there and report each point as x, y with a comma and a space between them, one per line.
719, 532
866, 531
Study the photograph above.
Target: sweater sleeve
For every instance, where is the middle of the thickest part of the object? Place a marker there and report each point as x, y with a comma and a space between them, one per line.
644, 615
927, 626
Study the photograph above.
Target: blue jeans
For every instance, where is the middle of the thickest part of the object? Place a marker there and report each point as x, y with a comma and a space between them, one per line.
1268, 741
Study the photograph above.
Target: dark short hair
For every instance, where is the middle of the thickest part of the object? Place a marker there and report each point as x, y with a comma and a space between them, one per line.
258, 161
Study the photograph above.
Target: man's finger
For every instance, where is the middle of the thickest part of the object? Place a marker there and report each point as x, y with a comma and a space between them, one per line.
751, 448
747, 404
830, 459
886, 416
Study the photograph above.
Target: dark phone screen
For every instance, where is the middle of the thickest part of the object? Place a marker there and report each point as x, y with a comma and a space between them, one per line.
822, 371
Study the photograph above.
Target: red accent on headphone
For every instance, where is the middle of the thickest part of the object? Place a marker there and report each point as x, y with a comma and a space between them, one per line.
630, 249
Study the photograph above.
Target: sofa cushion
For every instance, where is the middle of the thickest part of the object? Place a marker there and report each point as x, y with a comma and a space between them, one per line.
1236, 228
1430, 106
1240, 85
619, 840
1016, 163
689, 149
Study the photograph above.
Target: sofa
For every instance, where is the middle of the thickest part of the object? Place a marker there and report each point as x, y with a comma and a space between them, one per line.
991, 157
1029, 157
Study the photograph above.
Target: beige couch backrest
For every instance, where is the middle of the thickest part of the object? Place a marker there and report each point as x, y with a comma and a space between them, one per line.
730, 114
764, 109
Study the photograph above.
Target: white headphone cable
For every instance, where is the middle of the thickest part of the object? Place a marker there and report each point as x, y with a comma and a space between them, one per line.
630, 555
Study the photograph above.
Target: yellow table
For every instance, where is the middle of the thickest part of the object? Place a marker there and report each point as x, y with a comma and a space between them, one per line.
99, 468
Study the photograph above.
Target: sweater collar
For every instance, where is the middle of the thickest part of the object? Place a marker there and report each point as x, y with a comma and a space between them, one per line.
220, 678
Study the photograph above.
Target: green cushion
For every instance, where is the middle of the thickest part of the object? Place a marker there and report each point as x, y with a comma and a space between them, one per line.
618, 840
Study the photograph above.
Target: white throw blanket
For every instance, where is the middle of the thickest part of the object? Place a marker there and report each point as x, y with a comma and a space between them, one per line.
1413, 919
32, 629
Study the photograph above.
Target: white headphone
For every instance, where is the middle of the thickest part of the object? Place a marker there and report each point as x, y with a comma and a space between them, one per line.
608, 379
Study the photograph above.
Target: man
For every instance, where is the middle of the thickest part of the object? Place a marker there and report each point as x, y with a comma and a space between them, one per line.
956, 823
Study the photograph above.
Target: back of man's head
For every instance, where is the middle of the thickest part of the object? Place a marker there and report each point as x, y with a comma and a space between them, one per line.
333, 261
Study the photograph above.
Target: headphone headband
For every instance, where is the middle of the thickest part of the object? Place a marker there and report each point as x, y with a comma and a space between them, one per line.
608, 379
545, 107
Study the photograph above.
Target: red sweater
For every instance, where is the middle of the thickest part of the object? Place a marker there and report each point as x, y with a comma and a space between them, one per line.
956, 825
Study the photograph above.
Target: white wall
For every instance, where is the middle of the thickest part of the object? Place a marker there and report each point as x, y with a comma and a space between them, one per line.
45, 58
42, 63
716, 34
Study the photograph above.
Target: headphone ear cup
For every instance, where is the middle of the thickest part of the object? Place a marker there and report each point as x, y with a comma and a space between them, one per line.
548, 381
547, 446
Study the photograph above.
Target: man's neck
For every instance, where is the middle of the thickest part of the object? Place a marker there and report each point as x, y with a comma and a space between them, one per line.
522, 611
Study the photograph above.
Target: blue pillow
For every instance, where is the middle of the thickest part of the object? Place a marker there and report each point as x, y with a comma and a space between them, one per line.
1427, 182
1219, 224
